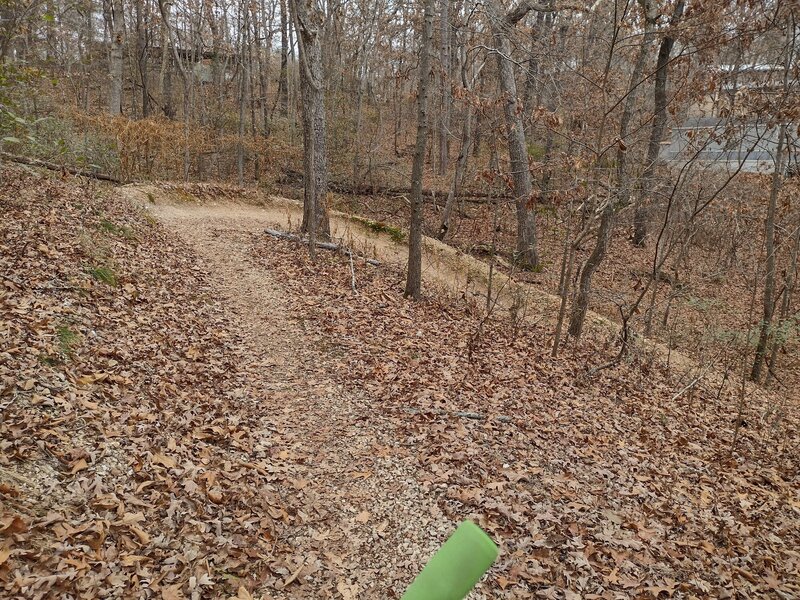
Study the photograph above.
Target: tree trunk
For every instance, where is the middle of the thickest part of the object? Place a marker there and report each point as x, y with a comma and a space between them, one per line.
264, 64
414, 278
650, 16
166, 73
283, 79
447, 96
581, 306
115, 24
769, 224
769, 283
308, 22
657, 132
526, 255
463, 154
458, 176
786, 301
244, 81
164, 8
143, 52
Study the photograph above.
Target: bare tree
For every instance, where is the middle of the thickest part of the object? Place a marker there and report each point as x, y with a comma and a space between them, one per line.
115, 25
769, 222
309, 20
414, 277
464, 151
502, 24
283, 77
657, 131
445, 29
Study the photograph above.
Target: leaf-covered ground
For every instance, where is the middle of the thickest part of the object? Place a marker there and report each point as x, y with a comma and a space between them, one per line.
191, 409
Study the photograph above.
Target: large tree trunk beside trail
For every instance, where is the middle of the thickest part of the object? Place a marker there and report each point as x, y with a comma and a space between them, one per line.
308, 22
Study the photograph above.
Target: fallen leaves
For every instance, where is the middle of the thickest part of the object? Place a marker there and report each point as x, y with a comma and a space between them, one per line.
12, 524
78, 466
363, 516
164, 460
115, 402
161, 455
598, 488
92, 378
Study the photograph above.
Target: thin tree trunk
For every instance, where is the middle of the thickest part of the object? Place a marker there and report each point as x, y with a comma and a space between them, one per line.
264, 64
166, 74
463, 154
143, 52
447, 96
283, 79
164, 8
526, 255
657, 132
115, 24
786, 301
769, 283
244, 80
567, 264
650, 16
458, 176
581, 306
361, 76
769, 225
414, 278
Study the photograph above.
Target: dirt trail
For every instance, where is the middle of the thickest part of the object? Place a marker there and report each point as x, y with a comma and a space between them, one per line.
363, 517
363, 522
445, 267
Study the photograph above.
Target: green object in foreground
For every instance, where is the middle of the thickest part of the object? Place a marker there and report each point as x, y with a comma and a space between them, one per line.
456, 567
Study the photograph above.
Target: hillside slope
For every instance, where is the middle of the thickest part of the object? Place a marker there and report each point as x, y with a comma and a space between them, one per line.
191, 408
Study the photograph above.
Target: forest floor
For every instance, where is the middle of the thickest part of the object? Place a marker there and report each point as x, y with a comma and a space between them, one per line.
706, 304
194, 409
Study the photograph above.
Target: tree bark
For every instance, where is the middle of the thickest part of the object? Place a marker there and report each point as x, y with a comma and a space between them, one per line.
414, 277
786, 302
283, 79
244, 82
463, 154
650, 16
308, 22
526, 255
791, 34
164, 8
657, 132
115, 24
143, 52
769, 282
447, 96
581, 306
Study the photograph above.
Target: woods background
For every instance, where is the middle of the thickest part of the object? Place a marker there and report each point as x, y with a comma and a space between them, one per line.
650, 143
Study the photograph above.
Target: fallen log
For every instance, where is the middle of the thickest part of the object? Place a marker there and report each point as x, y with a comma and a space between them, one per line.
35, 162
283, 235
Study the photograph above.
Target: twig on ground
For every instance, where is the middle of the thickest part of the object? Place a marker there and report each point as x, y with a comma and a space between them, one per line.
460, 414
352, 273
